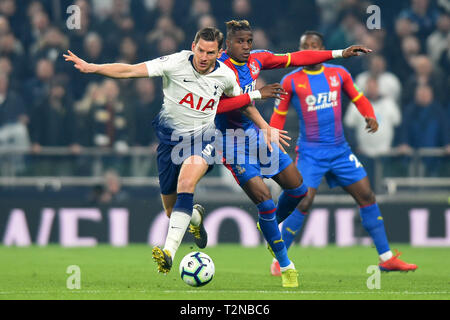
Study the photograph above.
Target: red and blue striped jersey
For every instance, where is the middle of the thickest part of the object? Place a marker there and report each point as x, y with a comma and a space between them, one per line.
246, 75
316, 96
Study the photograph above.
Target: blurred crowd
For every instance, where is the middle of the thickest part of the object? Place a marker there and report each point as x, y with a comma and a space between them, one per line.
45, 102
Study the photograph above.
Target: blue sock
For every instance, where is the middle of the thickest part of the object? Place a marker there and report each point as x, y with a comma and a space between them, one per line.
269, 227
291, 226
372, 221
288, 201
184, 203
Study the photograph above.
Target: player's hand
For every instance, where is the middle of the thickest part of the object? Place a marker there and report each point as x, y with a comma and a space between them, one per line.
80, 64
353, 51
274, 90
371, 125
277, 136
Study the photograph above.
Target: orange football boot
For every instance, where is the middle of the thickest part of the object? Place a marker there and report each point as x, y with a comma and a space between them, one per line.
395, 264
275, 269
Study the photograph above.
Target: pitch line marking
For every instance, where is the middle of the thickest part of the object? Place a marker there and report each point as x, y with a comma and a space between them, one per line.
305, 292
225, 291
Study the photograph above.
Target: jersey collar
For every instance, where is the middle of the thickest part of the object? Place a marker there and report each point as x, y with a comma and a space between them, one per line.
237, 63
314, 72
234, 61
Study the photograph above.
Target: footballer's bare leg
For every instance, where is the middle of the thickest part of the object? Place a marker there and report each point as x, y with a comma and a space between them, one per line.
257, 190
361, 192
192, 170
168, 201
289, 178
307, 201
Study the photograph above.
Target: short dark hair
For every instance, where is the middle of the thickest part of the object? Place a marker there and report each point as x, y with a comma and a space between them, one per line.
237, 25
314, 33
210, 34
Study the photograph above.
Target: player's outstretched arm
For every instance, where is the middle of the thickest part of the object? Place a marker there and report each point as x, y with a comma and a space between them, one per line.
269, 60
113, 70
227, 104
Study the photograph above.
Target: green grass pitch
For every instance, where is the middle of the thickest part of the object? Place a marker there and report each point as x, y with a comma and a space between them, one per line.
241, 273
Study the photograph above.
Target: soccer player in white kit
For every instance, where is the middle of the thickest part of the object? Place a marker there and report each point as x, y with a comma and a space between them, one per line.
193, 82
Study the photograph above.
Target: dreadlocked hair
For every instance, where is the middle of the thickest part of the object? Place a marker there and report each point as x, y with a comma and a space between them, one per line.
237, 25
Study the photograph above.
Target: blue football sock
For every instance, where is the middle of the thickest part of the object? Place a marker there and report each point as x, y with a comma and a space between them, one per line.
269, 227
372, 221
184, 203
288, 201
292, 226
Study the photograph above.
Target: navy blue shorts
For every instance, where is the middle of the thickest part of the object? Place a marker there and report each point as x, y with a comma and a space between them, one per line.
171, 157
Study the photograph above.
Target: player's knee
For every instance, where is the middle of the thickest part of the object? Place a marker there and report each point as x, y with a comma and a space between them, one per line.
367, 198
262, 195
296, 183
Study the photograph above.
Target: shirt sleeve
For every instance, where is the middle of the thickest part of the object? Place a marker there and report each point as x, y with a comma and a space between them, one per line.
352, 91
280, 110
232, 89
227, 104
270, 60
158, 67
356, 95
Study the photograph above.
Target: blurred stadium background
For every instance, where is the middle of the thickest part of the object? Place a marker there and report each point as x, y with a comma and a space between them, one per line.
77, 152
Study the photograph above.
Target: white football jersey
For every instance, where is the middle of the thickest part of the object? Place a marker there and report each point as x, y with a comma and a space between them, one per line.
190, 98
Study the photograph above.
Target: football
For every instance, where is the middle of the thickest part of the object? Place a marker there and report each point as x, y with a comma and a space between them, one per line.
197, 269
